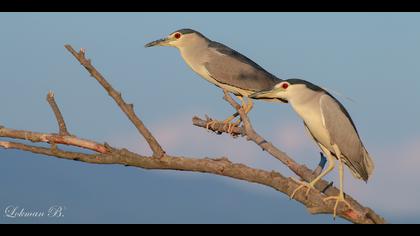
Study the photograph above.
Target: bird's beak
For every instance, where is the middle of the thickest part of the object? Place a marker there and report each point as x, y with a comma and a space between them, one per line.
268, 94
271, 93
159, 42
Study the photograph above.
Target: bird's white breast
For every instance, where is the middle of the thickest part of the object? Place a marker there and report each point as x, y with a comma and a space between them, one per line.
312, 116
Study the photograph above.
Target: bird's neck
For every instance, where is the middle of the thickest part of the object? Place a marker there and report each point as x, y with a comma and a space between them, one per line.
195, 48
195, 55
297, 102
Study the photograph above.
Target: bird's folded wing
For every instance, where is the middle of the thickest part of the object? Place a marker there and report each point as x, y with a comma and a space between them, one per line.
343, 133
231, 68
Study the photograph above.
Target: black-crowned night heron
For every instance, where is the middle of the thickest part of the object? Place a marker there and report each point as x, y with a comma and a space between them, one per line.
331, 127
220, 65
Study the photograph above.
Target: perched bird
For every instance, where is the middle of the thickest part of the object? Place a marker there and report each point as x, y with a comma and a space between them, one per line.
330, 126
220, 65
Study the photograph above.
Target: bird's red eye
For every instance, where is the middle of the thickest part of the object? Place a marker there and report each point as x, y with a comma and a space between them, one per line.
177, 35
285, 86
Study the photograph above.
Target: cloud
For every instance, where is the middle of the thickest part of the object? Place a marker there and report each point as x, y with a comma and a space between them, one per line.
292, 138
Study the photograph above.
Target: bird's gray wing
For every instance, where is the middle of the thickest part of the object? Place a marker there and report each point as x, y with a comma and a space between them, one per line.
343, 133
229, 67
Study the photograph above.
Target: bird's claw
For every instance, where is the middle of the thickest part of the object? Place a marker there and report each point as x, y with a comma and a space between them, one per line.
338, 199
229, 127
302, 184
210, 124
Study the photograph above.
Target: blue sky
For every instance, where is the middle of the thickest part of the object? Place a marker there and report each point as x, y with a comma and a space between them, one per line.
372, 58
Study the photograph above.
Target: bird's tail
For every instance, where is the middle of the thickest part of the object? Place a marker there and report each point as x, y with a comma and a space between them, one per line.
364, 169
368, 163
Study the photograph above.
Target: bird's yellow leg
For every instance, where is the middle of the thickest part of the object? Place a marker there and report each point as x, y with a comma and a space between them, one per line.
249, 106
340, 197
243, 103
311, 185
234, 124
228, 122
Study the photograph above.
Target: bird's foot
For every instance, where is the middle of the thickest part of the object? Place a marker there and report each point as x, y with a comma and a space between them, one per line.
338, 199
303, 184
229, 126
210, 124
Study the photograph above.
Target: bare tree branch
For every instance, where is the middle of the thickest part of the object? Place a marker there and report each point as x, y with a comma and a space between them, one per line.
105, 154
218, 127
58, 116
128, 109
52, 139
221, 166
